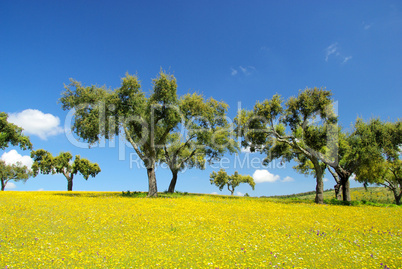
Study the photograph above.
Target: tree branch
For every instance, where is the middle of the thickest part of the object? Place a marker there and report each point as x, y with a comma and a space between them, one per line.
334, 174
128, 136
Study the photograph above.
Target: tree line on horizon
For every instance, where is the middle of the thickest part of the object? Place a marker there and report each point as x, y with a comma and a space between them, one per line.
190, 130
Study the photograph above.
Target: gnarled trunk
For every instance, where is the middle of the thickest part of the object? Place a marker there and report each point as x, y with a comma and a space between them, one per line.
345, 183
338, 191
152, 188
3, 184
230, 189
172, 185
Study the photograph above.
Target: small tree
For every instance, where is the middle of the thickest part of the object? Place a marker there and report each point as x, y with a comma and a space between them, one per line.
12, 134
16, 172
45, 163
222, 179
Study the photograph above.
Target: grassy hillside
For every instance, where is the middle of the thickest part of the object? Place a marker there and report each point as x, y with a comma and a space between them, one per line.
379, 195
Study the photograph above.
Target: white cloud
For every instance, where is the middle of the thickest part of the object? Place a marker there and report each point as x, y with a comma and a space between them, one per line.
260, 176
10, 186
41, 189
234, 72
214, 193
37, 123
12, 157
325, 179
239, 194
353, 176
288, 179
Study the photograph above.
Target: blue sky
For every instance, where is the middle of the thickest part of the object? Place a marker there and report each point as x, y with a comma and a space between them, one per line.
235, 51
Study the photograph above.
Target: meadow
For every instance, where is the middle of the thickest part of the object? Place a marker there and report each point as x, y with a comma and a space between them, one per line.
378, 196
108, 230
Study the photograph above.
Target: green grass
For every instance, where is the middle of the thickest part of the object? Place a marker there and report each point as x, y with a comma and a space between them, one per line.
378, 196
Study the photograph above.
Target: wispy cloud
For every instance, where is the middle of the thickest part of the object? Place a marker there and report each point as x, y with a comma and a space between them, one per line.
347, 59
331, 49
239, 194
242, 70
36, 122
288, 179
367, 26
334, 52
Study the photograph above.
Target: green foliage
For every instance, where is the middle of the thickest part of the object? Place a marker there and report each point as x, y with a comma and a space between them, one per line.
222, 179
146, 121
16, 172
12, 134
381, 162
152, 123
207, 135
299, 131
45, 163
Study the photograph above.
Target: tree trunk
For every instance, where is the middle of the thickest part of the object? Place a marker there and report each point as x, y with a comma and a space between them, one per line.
3, 185
345, 189
69, 184
397, 196
152, 188
338, 191
231, 190
338, 186
172, 185
319, 189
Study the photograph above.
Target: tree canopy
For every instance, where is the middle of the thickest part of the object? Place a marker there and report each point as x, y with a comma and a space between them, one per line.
207, 136
151, 124
382, 144
12, 134
45, 163
299, 131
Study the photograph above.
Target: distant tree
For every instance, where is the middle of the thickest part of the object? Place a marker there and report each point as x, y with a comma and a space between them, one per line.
16, 172
300, 131
45, 163
222, 179
208, 136
12, 134
382, 164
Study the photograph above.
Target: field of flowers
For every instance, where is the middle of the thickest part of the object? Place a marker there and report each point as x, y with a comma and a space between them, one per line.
106, 230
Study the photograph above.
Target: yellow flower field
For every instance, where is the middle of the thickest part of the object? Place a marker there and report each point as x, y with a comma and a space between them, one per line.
106, 230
